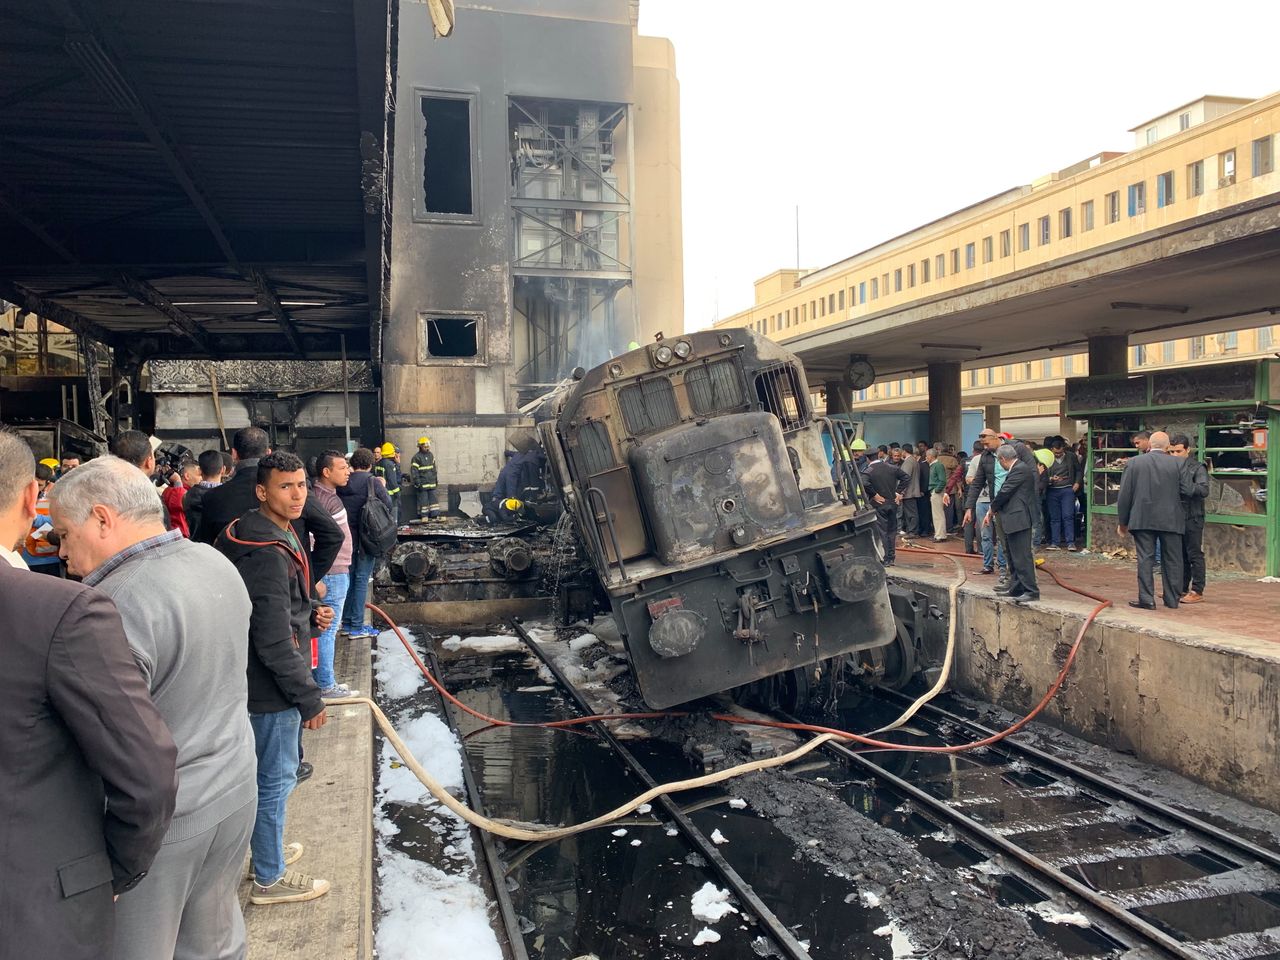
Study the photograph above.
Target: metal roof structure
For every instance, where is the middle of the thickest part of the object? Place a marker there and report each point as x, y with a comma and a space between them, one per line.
199, 178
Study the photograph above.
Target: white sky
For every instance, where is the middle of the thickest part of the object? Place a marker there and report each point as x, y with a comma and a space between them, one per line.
876, 118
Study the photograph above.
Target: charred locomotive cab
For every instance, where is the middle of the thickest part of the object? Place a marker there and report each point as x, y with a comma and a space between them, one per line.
701, 485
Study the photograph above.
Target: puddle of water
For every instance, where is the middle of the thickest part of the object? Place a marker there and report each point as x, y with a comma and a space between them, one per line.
1129, 873
1216, 916
628, 896
1090, 836
1014, 808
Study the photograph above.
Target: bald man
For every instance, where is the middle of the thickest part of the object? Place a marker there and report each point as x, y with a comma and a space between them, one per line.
1150, 509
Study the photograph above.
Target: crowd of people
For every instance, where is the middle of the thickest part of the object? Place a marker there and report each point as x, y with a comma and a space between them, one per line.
155, 731
1011, 497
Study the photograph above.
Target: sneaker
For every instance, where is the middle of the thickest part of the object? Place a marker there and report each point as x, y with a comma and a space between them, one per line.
293, 887
304, 771
1073, 549
361, 632
338, 690
292, 854
1192, 597
1052, 546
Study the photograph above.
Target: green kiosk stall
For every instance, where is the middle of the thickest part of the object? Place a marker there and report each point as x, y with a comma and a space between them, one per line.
1230, 411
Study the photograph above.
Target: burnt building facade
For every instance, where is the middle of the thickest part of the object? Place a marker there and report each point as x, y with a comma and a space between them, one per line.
535, 215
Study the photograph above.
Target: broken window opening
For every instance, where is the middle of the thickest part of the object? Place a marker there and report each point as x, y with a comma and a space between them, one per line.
778, 390
453, 337
446, 157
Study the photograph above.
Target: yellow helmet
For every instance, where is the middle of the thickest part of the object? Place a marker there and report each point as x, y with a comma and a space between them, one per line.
512, 504
424, 441
859, 444
51, 463
388, 449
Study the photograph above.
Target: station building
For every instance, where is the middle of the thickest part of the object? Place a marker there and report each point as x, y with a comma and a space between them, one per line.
1198, 164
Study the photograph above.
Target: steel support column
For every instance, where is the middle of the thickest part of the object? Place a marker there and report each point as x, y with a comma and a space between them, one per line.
839, 397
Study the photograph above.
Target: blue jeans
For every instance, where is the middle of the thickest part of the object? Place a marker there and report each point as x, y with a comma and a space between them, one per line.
335, 585
358, 592
275, 736
1062, 516
990, 549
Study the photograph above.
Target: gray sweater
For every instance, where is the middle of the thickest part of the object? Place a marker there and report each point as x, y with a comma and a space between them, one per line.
186, 616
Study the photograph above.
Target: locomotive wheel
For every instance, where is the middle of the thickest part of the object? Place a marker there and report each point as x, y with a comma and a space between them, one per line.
899, 659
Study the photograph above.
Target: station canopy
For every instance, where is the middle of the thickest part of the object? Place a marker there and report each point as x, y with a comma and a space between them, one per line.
198, 178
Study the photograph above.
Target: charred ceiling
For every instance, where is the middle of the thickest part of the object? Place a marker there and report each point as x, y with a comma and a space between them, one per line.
187, 178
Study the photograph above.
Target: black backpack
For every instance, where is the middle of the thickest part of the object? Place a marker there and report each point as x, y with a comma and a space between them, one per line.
377, 528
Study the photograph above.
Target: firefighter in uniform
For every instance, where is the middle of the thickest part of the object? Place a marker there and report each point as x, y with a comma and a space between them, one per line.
422, 476
388, 468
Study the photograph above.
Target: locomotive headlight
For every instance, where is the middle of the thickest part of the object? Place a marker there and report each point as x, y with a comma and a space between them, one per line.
662, 355
682, 349
615, 370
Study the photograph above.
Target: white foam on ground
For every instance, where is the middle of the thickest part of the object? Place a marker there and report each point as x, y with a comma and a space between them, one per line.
717, 837
899, 942
705, 935
1055, 914
710, 903
484, 645
398, 676
436, 910
428, 914
738, 804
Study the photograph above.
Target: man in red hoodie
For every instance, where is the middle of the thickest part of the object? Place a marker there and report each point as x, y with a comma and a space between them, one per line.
188, 476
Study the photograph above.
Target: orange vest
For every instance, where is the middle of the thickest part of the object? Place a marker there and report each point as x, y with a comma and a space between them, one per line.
40, 547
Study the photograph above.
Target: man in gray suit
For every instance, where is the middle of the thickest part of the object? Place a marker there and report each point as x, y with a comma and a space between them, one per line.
1015, 506
89, 781
1150, 507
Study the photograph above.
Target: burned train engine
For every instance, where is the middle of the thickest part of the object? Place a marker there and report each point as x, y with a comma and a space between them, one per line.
700, 484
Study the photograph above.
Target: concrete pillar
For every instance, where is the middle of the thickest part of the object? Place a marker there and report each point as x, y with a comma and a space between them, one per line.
1066, 425
991, 416
1108, 353
944, 403
839, 397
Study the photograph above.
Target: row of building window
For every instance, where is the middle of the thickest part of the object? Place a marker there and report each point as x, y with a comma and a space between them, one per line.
1263, 162
1163, 353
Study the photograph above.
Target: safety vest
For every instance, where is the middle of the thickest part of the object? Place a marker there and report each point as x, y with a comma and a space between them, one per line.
389, 471
40, 547
423, 467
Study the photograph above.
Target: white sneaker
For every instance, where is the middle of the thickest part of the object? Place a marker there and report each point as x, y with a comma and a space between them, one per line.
292, 854
337, 691
293, 887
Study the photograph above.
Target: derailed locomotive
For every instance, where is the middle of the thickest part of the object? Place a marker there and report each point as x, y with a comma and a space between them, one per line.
698, 478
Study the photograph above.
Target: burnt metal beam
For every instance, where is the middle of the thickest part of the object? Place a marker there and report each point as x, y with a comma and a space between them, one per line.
28, 300
31, 90
266, 296
92, 49
375, 58
15, 210
143, 292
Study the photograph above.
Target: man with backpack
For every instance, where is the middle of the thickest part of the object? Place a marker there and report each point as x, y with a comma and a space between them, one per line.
373, 533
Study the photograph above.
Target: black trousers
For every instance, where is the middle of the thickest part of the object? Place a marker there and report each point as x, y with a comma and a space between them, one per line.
1170, 565
1193, 555
887, 524
911, 516
1022, 564
924, 516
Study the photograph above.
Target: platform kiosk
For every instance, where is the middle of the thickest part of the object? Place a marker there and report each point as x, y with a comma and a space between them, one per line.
1230, 411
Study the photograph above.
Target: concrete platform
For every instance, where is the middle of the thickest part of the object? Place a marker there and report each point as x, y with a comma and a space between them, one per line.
332, 815
1195, 690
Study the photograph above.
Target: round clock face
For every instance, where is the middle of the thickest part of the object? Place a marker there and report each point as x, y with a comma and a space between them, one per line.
860, 375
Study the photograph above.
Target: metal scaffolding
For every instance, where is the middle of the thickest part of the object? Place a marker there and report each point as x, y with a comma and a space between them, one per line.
573, 234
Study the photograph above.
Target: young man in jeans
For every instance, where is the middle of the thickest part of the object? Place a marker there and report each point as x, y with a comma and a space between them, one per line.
360, 486
282, 694
332, 472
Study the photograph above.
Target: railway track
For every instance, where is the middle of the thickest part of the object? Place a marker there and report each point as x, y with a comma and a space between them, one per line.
1163, 881
1151, 880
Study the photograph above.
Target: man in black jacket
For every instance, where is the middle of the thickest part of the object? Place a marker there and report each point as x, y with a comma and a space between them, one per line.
984, 479
89, 781
1193, 573
320, 536
361, 485
886, 483
1150, 506
282, 693
1014, 506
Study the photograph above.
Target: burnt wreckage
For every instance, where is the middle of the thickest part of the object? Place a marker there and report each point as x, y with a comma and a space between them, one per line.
700, 484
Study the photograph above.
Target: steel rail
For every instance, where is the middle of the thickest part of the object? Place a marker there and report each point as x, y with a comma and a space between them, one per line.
496, 870
1161, 809
781, 935
984, 835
